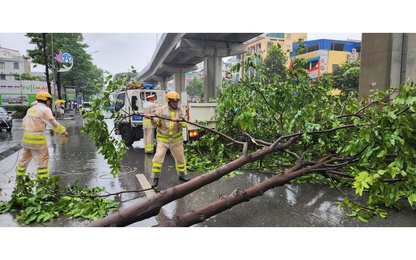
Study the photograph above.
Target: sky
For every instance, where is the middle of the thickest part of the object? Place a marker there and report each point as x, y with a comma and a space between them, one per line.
117, 52
122, 34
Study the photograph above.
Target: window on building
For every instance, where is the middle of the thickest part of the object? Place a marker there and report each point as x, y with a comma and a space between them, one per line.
334, 66
337, 46
288, 47
311, 64
16, 65
288, 36
277, 35
2, 65
313, 47
253, 49
298, 51
259, 48
2, 77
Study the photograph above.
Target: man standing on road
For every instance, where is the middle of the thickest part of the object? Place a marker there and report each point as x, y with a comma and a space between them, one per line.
169, 137
149, 108
34, 138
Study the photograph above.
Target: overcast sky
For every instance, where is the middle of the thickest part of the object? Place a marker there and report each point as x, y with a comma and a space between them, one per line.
117, 52
123, 33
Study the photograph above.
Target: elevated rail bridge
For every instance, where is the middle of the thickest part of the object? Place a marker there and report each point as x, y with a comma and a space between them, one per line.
387, 59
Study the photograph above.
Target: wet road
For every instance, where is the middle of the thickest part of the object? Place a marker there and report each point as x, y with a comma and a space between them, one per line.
76, 158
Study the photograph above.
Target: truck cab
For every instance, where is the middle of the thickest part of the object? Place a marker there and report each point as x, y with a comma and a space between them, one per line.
130, 102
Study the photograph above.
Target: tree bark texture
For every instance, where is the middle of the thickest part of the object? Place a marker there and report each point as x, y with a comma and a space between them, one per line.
152, 205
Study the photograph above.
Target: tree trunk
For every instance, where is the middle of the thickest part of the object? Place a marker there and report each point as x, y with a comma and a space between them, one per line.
236, 197
152, 205
58, 82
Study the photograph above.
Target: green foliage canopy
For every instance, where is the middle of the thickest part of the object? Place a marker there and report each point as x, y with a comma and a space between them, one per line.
84, 75
195, 87
372, 140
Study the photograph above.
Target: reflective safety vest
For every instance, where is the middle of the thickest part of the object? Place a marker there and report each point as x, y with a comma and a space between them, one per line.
34, 124
168, 131
147, 110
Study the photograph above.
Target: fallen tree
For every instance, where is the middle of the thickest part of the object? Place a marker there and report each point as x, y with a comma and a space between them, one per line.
365, 144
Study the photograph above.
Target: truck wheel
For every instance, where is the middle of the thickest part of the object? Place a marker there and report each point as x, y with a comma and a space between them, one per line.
127, 136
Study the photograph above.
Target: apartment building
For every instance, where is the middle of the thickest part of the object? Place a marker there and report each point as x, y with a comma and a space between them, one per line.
325, 55
14, 91
264, 42
12, 64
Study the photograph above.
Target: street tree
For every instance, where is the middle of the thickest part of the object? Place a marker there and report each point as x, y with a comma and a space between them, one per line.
274, 64
345, 77
48, 45
300, 132
195, 88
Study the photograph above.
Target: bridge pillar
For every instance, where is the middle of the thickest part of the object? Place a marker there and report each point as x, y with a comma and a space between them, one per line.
162, 82
387, 60
179, 82
212, 76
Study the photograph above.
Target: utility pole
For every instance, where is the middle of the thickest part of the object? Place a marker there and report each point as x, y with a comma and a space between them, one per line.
53, 66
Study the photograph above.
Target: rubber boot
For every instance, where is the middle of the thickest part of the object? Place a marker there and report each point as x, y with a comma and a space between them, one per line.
182, 177
155, 183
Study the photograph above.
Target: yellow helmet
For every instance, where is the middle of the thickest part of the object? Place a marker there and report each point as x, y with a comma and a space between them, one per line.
43, 96
173, 96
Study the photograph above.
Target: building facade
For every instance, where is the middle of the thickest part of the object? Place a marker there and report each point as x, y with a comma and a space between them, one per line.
13, 90
325, 55
12, 64
263, 43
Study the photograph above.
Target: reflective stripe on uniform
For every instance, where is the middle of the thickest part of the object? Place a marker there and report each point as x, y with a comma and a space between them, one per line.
167, 138
59, 129
181, 167
147, 122
20, 171
34, 139
43, 176
172, 115
148, 147
43, 172
156, 167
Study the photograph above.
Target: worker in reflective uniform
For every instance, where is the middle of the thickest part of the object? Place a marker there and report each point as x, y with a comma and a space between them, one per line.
149, 107
169, 136
34, 138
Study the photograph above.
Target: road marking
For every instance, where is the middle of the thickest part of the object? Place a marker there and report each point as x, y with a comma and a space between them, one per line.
145, 184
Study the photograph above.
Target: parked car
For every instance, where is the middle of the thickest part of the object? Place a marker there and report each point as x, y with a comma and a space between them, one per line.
85, 107
6, 119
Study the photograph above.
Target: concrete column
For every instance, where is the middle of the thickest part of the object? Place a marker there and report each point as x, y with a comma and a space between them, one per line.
162, 83
179, 81
212, 76
387, 60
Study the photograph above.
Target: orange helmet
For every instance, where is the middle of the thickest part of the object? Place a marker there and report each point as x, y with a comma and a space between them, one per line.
150, 97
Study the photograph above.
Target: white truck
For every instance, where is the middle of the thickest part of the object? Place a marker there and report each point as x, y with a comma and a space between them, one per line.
197, 113
130, 103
